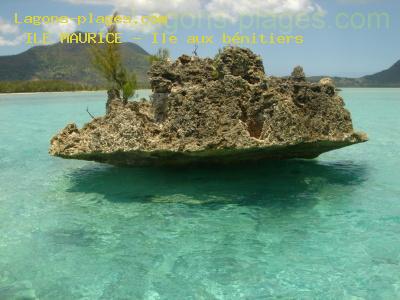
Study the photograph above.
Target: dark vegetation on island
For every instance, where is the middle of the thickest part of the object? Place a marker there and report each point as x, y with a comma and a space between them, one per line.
30, 86
218, 110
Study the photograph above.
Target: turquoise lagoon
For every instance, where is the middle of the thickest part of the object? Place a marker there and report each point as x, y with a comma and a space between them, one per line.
322, 229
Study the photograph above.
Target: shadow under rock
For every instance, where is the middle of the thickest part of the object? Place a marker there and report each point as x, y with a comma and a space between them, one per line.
280, 183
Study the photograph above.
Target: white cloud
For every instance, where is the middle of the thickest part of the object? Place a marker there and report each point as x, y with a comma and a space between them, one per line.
7, 28
12, 42
138, 7
233, 10
219, 8
55, 29
137, 26
12, 32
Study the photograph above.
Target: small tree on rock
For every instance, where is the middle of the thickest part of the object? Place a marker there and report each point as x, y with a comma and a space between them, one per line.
108, 61
298, 74
162, 55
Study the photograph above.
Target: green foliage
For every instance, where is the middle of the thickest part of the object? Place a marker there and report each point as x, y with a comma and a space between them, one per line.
298, 74
215, 74
107, 60
130, 86
27, 86
162, 55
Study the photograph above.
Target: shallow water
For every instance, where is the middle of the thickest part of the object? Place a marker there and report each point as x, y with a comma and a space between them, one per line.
322, 229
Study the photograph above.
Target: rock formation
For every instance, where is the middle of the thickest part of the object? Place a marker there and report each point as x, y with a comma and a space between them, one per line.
215, 110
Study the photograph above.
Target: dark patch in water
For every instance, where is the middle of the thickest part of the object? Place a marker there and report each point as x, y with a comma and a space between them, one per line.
282, 184
75, 237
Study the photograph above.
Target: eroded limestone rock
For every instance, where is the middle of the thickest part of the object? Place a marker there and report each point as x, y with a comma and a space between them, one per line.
215, 110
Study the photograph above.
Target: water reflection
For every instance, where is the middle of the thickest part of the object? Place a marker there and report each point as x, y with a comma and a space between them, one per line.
280, 183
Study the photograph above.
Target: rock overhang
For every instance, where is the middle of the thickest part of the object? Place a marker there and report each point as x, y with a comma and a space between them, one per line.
215, 110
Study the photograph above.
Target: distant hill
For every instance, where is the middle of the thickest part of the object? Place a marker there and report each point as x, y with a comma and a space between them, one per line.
386, 78
389, 77
69, 63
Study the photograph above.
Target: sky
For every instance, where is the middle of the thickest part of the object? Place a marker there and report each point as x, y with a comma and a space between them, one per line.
341, 37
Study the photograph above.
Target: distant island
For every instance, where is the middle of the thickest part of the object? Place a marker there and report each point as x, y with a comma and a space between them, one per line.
67, 67
386, 78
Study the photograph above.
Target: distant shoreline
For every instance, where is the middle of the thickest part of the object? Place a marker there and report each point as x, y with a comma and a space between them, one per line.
58, 92
50, 86
105, 91
55, 92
